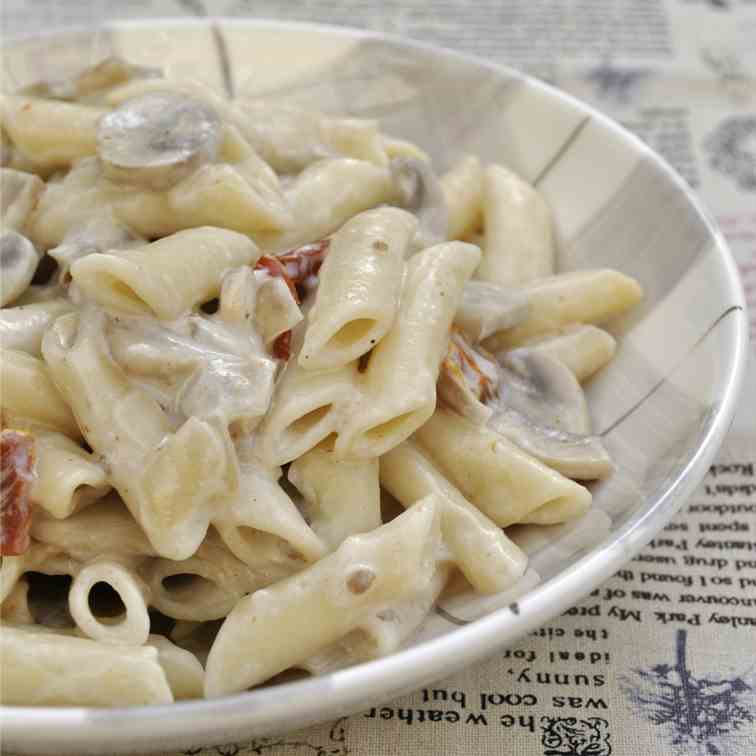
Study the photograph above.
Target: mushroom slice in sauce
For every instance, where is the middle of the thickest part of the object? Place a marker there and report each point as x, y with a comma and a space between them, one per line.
18, 262
468, 379
420, 192
158, 139
98, 235
541, 408
487, 308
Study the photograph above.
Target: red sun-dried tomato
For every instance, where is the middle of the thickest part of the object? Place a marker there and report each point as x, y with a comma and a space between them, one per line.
17, 455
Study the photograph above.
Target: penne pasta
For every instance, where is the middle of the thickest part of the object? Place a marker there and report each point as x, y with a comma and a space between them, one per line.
52, 133
584, 349
132, 626
323, 603
360, 283
46, 668
29, 398
399, 386
483, 553
68, 477
342, 497
519, 244
167, 479
505, 483
156, 279
463, 192
584, 296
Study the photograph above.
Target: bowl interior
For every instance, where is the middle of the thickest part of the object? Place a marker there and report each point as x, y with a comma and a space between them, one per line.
662, 406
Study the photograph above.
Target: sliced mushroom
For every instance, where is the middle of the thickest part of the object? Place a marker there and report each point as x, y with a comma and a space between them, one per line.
467, 380
420, 192
487, 308
541, 408
158, 139
18, 261
98, 235
109, 72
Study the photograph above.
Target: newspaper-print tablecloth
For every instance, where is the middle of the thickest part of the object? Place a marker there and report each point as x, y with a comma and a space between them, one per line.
662, 658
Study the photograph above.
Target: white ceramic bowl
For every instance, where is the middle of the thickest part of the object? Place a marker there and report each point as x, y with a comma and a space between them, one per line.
662, 407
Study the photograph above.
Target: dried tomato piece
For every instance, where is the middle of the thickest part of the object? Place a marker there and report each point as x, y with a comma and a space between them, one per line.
298, 268
17, 456
282, 346
478, 370
275, 268
303, 263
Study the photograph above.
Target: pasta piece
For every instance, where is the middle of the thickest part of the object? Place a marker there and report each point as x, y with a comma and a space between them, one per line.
183, 670
487, 558
104, 529
583, 296
354, 137
401, 148
29, 399
326, 195
68, 204
289, 138
217, 194
400, 382
19, 193
52, 133
133, 626
15, 609
341, 497
463, 191
94, 81
21, 327
206, 586
383, 633
158, 278
493, 474
68, 477
519, 244
168, 480
323, 603
360, 283
555, 512
307, 407
584, 349
220, 195
236, 150
46, 668
263, 528
487, 308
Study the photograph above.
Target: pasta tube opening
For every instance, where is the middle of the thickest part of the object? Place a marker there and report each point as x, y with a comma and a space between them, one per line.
120, 618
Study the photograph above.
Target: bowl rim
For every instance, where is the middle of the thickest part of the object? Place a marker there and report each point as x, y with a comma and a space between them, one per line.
266, 711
